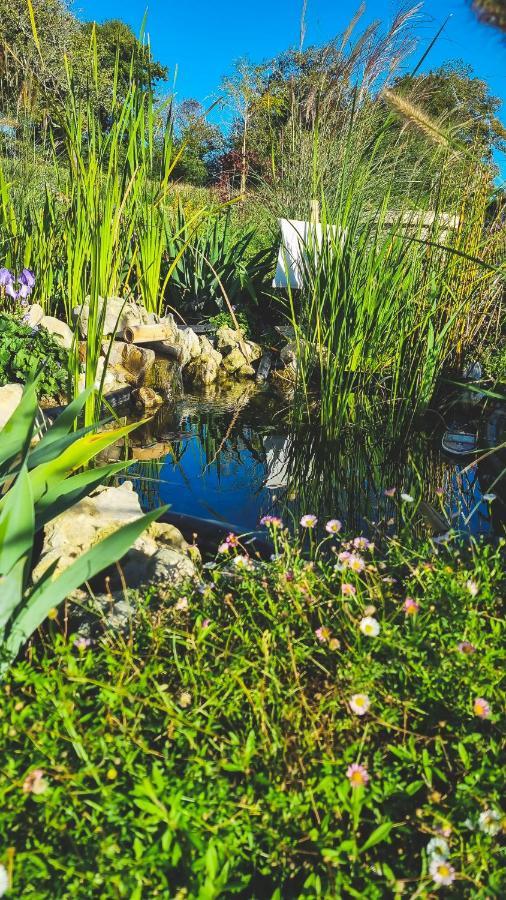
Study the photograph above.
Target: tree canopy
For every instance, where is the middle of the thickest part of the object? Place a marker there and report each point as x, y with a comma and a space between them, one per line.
34, 74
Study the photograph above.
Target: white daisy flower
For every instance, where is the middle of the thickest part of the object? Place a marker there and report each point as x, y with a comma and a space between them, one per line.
369, 626
437, 846
441, 871
489, 821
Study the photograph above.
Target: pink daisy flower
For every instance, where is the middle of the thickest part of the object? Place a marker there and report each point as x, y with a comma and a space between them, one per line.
333, 526
410, 606
308, 521
323, 634
232, 540
348, 590
389, 492
358, 775
441, 871
359, 704
481, 708
466, 647
273, 521
355, 563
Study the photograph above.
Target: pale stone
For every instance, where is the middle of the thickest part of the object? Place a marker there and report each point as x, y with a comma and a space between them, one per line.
33, 315
59, 330
78, 529
204, 369
147, 399
118, 315
133, 364
227, 338
10, 398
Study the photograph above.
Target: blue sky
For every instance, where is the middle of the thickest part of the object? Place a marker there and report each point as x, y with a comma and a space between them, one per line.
204, 38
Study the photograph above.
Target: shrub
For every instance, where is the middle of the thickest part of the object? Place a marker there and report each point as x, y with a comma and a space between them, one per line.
24, 349
211, 751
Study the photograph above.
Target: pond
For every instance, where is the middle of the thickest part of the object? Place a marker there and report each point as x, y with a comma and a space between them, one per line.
231, 457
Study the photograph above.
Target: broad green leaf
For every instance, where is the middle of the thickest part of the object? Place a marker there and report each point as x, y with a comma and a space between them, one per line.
69, 492
66, 419
74, 457
44, 453
378, 835
11, 593
50, 593
17, 432
16, 524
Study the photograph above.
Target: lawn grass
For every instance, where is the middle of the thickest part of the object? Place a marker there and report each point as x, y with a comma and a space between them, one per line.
206, 753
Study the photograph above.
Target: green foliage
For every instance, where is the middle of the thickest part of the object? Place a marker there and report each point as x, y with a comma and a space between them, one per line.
199, 142
213, 263
205, 754
37, 483
24, 350
34, 73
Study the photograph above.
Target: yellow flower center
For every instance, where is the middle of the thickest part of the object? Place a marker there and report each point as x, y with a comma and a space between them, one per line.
357, 778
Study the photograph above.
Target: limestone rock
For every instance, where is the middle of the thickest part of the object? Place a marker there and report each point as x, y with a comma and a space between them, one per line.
134, 364
59, 330
204, 369
73, 533
33, 315
236, 363
227, 338
10, 398
288, 355
114, 379
146, 399
188, 343
118, 315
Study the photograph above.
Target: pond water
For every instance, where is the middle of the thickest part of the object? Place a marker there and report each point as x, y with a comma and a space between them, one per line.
231, 457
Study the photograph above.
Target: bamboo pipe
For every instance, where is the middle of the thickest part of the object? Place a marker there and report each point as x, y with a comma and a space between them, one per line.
146, 334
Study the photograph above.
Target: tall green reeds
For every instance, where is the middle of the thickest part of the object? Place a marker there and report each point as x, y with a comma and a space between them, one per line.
394, 283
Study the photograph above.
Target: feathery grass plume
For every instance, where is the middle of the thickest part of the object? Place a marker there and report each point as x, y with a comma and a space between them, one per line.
415, 116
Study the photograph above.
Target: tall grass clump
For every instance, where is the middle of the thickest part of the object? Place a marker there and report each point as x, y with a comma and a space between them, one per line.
397, 282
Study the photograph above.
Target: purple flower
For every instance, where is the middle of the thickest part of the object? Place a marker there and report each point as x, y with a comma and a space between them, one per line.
6, 277
11, 291
27, 279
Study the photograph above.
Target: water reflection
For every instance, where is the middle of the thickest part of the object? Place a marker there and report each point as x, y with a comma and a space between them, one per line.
236, 459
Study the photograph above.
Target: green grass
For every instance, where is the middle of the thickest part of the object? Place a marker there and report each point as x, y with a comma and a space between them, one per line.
205, 753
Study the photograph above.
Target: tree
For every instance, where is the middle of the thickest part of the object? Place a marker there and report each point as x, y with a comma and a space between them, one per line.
200, 141
34, 74
453, 96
